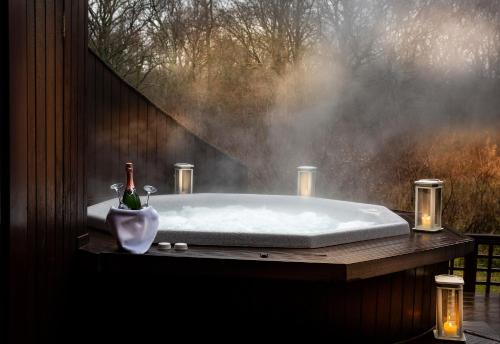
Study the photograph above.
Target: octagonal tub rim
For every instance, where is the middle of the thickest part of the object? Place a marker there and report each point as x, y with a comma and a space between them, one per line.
389, 224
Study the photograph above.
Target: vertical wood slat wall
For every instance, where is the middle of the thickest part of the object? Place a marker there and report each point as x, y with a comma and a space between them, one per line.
389, 308
4, 162
123, 125
47, 201
382, 309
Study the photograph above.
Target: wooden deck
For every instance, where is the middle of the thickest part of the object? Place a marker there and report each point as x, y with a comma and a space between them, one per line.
481, 321
478, 308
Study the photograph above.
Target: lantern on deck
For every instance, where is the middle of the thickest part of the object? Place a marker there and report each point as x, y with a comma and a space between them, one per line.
306, 180
449, 308
428, 204
183, 178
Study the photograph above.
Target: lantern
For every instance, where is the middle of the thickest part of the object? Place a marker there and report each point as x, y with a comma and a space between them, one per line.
449, 308
306, 180
428, 204
183, 178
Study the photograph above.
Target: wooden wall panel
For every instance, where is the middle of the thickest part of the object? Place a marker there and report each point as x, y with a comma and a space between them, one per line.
47, 198
359, 311
123, 125
396, 304
18, 288
385, 308
123, 118
4, 172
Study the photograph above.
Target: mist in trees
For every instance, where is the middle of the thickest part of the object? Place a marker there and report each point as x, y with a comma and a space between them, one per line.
376, 93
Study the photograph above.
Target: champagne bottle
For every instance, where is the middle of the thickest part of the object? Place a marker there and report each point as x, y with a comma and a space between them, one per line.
130, 197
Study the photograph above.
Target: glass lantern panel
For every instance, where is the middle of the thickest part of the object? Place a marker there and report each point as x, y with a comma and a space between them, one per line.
438, 205
449, 315
424, 208
185, 181
305, 184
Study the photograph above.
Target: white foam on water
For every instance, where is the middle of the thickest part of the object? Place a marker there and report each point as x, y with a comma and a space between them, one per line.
242, 219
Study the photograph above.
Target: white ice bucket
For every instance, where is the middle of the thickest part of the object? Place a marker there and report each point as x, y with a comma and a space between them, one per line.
134, 230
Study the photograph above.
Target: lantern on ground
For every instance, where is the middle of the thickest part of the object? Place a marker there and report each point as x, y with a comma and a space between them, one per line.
449, 308
306, 180
183, 178
428, 204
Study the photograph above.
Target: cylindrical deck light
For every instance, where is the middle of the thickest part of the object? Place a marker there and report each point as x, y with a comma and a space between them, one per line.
428, 204
183, 178
306, 180
449, 308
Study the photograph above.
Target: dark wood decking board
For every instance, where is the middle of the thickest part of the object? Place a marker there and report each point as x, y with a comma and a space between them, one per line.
359, 260
478, 308
481, 321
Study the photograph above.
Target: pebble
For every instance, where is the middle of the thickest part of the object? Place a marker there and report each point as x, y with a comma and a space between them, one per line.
181, 246
164, 246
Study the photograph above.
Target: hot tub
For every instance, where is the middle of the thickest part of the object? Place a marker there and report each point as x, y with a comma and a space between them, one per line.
263, 220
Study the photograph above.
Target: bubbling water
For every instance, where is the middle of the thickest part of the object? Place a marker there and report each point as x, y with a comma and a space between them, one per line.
243, 219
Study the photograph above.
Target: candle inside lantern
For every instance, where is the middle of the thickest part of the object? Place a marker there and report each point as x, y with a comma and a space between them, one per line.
450, 328
426, 221
306, 180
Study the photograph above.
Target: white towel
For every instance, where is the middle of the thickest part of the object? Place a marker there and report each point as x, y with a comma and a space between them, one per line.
134, 230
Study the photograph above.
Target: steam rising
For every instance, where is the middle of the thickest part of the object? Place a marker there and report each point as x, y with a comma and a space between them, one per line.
426, 75
375, 93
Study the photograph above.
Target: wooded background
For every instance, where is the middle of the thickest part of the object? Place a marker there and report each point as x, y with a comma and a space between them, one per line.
376, 94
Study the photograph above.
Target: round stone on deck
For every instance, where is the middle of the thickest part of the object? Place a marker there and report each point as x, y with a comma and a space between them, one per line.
181, 246
164, 246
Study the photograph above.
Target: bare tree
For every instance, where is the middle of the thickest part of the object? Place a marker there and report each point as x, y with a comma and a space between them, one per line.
117, 34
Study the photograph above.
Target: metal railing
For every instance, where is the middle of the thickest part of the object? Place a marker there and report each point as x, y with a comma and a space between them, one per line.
470, 266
